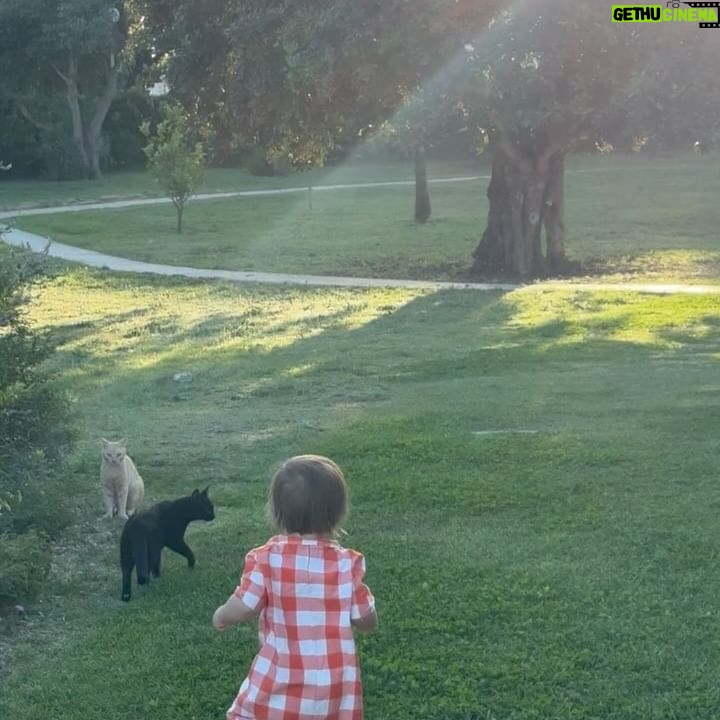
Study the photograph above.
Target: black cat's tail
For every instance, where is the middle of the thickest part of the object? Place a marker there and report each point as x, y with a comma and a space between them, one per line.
127, 563
133, 553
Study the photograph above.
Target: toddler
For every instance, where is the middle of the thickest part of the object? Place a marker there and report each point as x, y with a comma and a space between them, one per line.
309, 593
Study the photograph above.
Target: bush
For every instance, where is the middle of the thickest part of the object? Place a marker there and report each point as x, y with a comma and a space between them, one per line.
61, 157
35, 435
258, 163
38, 153
19, 143
129, 111
24, 565
35, 428
36, 494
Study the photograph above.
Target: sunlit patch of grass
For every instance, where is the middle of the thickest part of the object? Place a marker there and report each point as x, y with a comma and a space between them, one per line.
573, 316
566, 573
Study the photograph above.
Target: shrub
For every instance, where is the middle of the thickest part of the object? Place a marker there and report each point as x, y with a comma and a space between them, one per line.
24, 565
61, 159
257, 163
35, 427
176, 156
130, 109
35, 434
19, 143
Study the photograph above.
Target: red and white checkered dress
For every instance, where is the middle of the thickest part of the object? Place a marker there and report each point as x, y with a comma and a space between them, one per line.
308, 588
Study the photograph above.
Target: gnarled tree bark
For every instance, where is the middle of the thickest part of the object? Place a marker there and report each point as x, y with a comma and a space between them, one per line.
524, 236
93, 135
87, 136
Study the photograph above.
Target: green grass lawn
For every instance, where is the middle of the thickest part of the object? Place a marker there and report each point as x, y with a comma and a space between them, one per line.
627, 218
566, 572
42, 193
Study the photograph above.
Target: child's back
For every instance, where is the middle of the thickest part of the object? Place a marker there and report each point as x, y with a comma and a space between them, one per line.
309, 593
307, 665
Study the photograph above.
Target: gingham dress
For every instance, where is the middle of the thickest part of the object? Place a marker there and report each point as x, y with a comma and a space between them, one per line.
307, 588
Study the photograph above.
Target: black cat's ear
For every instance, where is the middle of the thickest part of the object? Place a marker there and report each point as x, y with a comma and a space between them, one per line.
205, 491
195, 493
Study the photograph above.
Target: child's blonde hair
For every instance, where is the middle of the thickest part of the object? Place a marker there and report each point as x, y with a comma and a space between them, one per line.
308, 495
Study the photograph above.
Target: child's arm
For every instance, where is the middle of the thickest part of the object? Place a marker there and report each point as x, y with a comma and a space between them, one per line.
362, 615
250, 596
367, 623
232, 612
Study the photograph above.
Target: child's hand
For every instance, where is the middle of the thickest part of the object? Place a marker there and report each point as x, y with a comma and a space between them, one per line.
232, 612
217, 622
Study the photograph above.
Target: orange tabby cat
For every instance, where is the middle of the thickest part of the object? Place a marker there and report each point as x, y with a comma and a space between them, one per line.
123, 488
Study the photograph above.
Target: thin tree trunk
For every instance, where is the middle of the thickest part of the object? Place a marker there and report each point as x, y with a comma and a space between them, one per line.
88, 139
180, 207
72, 95
93, 137
93, 152
422, 194
554, 214
525, 195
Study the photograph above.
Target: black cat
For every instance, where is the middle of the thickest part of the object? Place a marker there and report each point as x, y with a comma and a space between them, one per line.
147, 532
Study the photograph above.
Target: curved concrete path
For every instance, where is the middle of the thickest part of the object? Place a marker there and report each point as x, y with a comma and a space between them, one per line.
91, 258
137, 202
36, 243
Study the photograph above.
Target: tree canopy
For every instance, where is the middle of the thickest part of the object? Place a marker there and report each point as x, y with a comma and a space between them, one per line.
551, 73
176, 157
300, 79
61, 66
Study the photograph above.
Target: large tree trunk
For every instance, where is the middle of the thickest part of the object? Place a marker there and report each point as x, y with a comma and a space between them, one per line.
93, 135
72, 95
422, 194
88, 137
526, 196
554, 214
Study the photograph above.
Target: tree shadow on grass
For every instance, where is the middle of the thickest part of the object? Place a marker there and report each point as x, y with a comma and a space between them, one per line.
338, 365
334, 369
523, 532
335, 355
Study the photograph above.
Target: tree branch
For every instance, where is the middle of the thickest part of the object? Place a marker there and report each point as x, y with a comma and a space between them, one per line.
21, 104
565, 137
60, 73
71, 77
506, 145
25, 112
105, 100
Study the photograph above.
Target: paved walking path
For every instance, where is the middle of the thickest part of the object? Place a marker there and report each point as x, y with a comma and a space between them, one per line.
19, 238
36, 243
91, 258
136, 202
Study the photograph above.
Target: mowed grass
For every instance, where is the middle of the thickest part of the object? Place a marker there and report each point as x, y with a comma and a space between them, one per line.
533, 477
627, 218
16, 194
